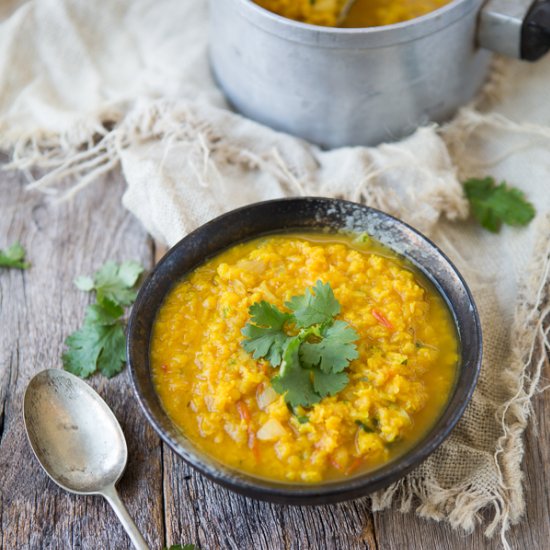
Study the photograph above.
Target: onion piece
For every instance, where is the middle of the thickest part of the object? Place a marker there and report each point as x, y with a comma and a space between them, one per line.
271, 430
266, 397
254, 266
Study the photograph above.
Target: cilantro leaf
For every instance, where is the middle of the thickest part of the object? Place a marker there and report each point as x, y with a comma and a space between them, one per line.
265, 338
129, 273
301, 418
84, 283
14, 257
311, 362
311, 309
492, 204
293, 381
113, 282
334, 351
369, 426
113, 355
99, 344
329, 383
106, 313
82, 352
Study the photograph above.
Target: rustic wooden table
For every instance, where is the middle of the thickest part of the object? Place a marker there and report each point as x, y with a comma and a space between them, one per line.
169, 501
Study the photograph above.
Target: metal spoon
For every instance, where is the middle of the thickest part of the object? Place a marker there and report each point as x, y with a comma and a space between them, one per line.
77, 440
344, 12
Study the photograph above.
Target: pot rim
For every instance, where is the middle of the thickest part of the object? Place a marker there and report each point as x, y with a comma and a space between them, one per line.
366, 37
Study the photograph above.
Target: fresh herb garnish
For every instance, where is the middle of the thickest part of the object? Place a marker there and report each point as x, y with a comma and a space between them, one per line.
14, 257
492, 204
369, 426
265, 337
182, 547
314, 309
113, 282
302, 419
363, 238
333, 352
99, 345
313, 360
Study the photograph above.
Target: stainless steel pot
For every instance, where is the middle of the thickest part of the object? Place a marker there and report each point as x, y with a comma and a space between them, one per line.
340, 86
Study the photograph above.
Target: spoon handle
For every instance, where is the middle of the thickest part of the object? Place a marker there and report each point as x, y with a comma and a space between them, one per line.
111, 496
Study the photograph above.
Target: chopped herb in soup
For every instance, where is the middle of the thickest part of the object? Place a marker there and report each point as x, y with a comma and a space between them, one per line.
304, 357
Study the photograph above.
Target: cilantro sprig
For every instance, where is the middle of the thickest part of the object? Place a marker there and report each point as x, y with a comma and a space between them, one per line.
492, 204
99, 345
14, 257
311, 348
113, 282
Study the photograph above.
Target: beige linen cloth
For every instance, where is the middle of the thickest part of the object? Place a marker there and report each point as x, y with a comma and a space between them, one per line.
89, 86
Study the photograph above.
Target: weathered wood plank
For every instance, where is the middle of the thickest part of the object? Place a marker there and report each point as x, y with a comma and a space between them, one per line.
38, 309
395, 530
201, 512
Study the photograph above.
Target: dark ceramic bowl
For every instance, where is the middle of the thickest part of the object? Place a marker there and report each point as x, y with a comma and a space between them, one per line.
303, 214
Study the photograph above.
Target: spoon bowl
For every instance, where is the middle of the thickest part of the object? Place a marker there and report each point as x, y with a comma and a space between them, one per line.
77, 439
74, 435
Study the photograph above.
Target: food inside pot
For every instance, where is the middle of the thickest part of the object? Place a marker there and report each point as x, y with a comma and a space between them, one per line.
354, 14
304, 357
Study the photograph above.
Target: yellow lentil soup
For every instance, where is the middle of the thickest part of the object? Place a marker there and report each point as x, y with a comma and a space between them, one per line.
222, 398
363, 13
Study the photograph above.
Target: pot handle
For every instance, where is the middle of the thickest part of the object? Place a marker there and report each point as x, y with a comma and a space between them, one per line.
515, 28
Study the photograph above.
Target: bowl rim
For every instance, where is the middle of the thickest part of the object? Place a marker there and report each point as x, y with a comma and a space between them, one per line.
301, 493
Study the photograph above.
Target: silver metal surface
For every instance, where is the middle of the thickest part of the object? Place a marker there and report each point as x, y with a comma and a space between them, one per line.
77, 439
500, 25
340, 86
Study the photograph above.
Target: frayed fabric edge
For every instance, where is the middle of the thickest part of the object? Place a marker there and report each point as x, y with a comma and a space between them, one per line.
531, 342
462, 505
94, 150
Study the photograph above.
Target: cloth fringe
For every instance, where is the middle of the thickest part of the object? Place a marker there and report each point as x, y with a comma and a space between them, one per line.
94, 148
463, 504
470, 121
75, 160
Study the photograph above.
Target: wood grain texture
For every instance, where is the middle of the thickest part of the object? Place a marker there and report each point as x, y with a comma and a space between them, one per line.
38, 309
395, 530
170, 502
199, 511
